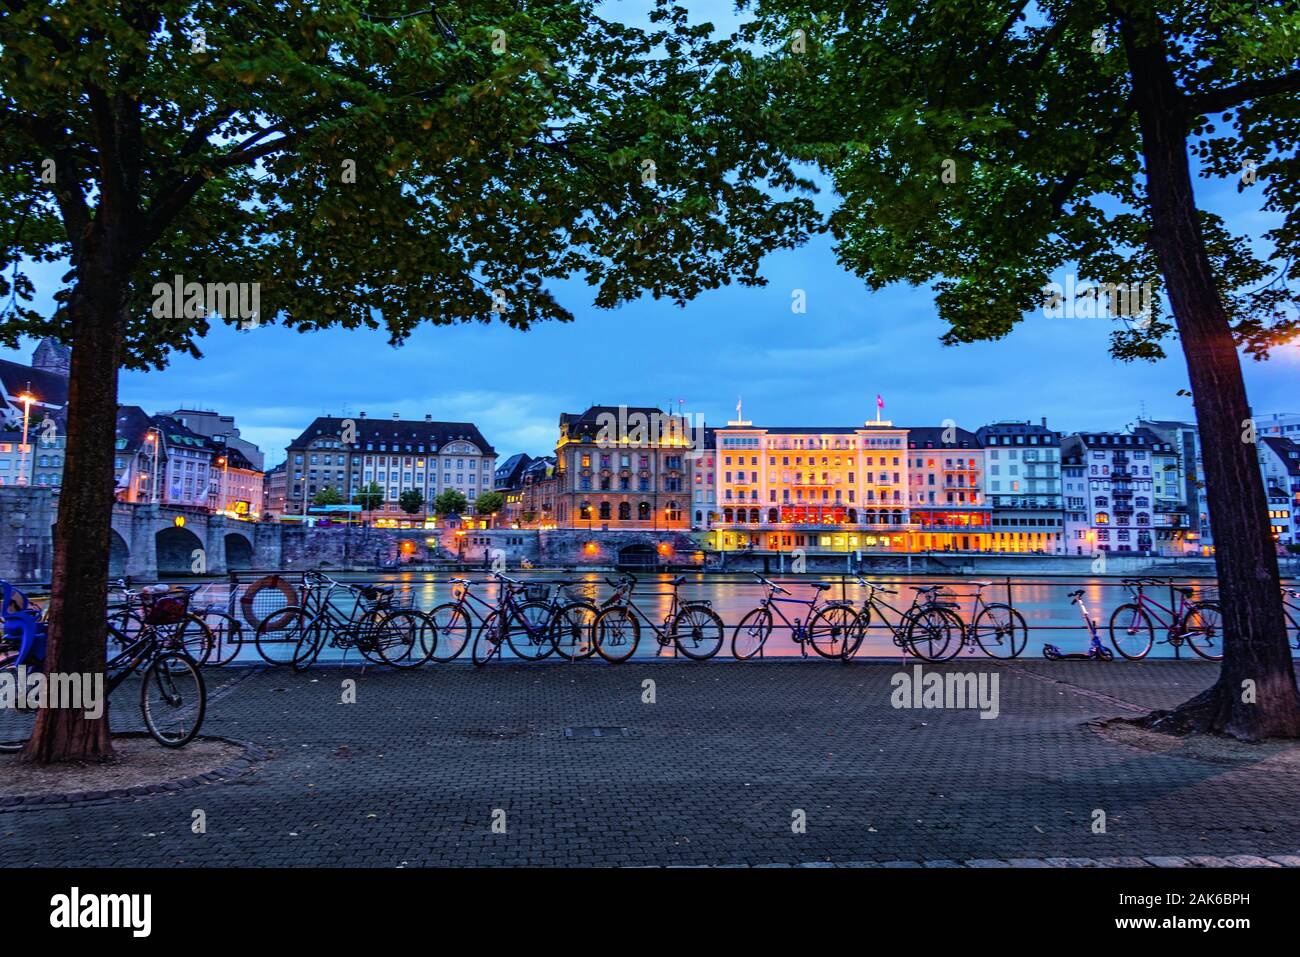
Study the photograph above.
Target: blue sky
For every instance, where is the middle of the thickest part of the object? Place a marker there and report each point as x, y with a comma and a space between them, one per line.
824, 367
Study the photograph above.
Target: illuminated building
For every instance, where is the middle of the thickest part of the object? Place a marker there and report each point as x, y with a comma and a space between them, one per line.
396, 455
823, 489
946, 490
622, 467
1279, 462
1111, 481
1023, 476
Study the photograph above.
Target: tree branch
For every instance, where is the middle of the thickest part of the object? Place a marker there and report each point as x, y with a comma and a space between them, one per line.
1216, 101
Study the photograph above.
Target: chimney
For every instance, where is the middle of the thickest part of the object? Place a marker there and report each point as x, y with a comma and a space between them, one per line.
1044, 420
396, 417
428, 417
363, 414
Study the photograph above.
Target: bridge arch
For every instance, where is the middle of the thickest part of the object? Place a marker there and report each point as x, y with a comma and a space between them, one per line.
239, 552
176, 546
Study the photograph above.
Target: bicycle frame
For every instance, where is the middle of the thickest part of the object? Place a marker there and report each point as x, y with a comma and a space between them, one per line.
1148, 604
624, 596
318, 602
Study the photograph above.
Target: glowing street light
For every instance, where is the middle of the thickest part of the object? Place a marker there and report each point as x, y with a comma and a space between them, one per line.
26, 398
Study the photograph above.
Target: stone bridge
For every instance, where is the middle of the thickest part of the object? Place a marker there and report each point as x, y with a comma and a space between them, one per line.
160, 541
148, 541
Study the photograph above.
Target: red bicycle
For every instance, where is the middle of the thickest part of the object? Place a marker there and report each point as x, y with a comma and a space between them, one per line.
1186, 620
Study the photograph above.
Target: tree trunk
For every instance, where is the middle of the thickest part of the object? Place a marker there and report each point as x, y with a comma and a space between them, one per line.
82, 535
1256, 655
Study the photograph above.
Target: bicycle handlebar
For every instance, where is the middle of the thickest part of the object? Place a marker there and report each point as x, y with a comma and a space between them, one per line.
770, 584
876, 586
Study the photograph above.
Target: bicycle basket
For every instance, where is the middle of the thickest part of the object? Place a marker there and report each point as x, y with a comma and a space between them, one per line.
166, 608
536, 592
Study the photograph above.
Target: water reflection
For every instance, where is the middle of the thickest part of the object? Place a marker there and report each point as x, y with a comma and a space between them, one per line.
1042, 601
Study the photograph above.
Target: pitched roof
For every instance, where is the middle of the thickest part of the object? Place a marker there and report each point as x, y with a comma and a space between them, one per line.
432, 435
1285, 449
49, 389
132, 426
509, 472
932, 437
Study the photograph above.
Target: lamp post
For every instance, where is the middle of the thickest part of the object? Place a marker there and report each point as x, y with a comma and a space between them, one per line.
26, 398
153, 435
222, 496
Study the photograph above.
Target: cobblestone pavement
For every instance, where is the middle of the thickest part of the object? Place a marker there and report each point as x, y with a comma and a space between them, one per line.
714, 772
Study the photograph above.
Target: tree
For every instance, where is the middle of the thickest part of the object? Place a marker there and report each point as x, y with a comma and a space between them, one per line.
985, 152
489, 503
328, 496
450, 502
411, 501
370, 496
350, 163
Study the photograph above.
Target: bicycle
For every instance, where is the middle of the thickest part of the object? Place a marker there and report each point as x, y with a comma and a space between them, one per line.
1132, 625
1096, 650
828, 629
997, 628
227, 630
162, 606
692, 627
534, 627
924, 628
171, 680
381, 634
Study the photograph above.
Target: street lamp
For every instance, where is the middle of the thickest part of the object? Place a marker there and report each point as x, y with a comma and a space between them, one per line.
153, 436
221, 485
26, 398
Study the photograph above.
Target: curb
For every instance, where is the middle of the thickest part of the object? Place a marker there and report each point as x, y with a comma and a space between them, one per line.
242, 764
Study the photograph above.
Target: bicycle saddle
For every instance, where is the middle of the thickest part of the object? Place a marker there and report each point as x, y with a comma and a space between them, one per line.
820, 586
927, 588
679, 580
376, 591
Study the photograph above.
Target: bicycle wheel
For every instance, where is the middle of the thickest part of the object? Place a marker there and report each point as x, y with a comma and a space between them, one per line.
573, 630
15, 723
699, 632
173, 699
1000, 631
1131, 631
195, 637
528, 630
831, 628
1203, 629
448, 633
858, 634
277, 636
312, 637
399, 640
488, 640
929, 632
227, 637
751, 634
617, 633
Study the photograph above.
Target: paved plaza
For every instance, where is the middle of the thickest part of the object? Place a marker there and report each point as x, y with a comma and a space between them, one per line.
761, 763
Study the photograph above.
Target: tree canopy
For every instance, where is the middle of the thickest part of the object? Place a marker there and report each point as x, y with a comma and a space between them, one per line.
987, 147
379, 165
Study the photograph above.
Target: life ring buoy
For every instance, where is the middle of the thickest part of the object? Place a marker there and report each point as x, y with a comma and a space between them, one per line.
248, 602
